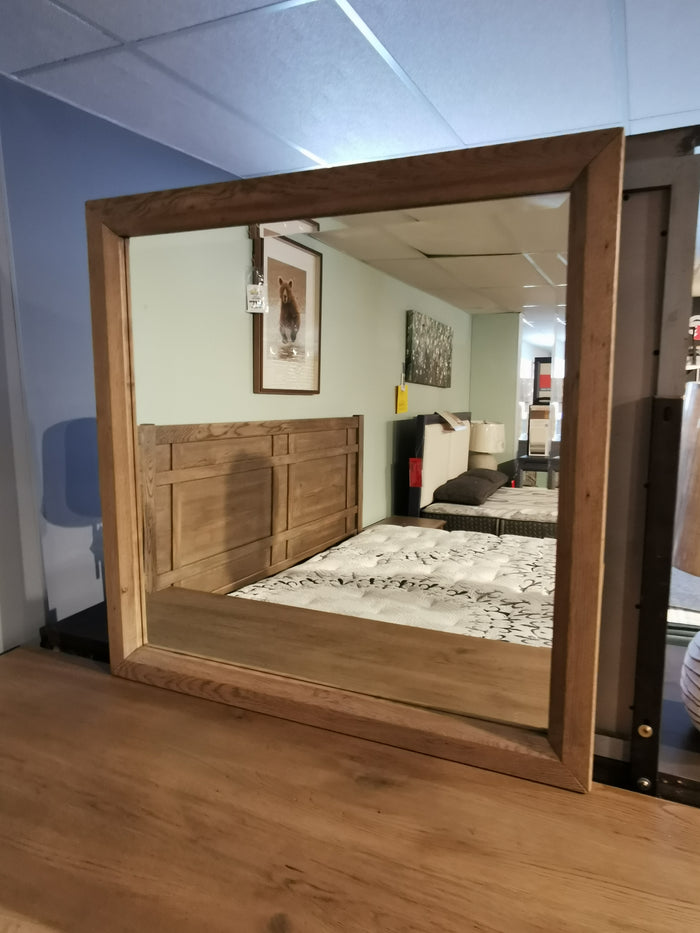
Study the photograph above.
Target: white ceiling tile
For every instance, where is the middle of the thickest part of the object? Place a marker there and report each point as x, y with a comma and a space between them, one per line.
551, 266
421, 273
665, 121
367, 244
135, 19
504, 69
517, 298
508, 225
468, 299
307, 74
137, 95
373, 219
33, 32
484, 271
662, 51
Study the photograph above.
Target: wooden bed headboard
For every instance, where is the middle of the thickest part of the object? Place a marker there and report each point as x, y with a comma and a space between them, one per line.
440, 454
227, 504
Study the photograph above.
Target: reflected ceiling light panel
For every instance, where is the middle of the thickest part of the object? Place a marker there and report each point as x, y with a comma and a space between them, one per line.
561, 306
537, 269
562, 258
288, 227
544, 339
531, 306
529, 323
549, 201
561, 321
320, 163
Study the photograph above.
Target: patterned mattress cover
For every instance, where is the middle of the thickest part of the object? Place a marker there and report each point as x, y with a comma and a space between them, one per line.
526, 503
460, 581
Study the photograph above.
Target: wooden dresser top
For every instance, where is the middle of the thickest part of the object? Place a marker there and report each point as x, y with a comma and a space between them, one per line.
129, 808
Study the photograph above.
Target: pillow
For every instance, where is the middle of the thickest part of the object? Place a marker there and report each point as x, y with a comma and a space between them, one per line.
470, 488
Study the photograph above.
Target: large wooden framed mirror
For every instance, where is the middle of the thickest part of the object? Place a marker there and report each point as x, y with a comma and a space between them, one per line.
142, 463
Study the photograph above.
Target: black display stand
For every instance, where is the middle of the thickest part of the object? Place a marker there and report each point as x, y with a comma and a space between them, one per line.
84, 633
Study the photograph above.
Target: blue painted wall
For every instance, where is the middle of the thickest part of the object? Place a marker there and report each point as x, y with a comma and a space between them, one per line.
55, 158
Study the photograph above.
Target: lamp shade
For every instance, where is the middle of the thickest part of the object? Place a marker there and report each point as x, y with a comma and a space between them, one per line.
487, 437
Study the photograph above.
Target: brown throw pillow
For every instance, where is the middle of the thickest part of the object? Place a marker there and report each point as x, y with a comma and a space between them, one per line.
470, 488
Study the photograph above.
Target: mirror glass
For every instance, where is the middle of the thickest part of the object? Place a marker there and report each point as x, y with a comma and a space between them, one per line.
458, 621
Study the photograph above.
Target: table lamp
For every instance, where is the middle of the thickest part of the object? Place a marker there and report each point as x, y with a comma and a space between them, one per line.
486, 439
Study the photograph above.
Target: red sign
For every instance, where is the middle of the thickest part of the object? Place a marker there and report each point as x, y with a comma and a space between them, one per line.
415, 472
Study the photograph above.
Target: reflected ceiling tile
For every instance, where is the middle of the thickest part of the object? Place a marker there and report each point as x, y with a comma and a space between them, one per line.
376, 219
421, 273
367, 244
503, 69
453, 237
512, 225
550, 265
34, 32
134, 19
137, 95
663, 60
519, 298
307, 74
467, 299
484, 271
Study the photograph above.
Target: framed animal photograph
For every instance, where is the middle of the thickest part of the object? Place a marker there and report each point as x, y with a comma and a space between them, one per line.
287, 337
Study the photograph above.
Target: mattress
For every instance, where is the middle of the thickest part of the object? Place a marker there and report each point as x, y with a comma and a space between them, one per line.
465, 582
526, 504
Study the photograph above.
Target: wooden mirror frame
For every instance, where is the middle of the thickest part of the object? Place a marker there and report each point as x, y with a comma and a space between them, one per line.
589, 167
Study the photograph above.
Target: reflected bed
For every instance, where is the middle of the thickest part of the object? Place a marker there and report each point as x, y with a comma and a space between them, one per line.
467, 583
527, 510
440, 455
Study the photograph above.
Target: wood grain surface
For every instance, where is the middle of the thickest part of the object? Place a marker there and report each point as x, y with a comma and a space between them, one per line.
588, 165
125, 808
478, 677
591, 291
535, 166
226, 504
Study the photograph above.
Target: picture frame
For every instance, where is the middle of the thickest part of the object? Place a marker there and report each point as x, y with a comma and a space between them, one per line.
287, 337
542, 391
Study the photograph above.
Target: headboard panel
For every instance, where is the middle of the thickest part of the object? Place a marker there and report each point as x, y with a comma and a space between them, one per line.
441, 453
226, 504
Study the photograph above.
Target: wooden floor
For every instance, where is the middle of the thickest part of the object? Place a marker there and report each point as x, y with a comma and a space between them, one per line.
477, 677
128, 808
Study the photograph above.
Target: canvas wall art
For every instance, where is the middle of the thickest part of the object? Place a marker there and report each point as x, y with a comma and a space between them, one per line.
428, 351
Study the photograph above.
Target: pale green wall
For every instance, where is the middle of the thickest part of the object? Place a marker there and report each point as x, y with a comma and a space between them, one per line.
193, 345
493, 393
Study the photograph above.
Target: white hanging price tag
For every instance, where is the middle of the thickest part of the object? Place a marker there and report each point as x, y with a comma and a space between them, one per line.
257, 298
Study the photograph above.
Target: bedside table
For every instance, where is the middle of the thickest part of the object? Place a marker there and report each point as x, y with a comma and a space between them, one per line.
411, 521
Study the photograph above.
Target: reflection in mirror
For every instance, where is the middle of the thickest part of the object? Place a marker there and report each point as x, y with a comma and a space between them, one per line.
451, 610
680, 725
